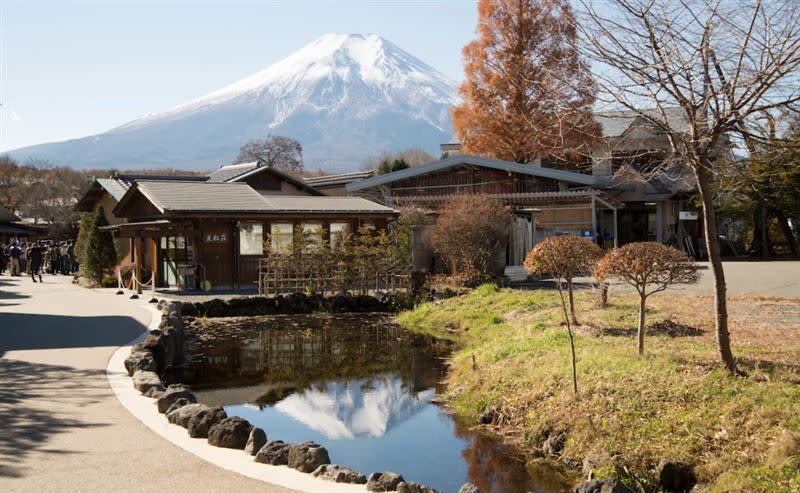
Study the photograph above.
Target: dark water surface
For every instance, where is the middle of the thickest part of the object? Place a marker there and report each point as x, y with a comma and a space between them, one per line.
357, 384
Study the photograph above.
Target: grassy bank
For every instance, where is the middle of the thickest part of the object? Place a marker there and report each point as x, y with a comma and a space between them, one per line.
675, 402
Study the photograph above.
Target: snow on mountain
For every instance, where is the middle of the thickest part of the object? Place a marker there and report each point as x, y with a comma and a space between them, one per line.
343, 96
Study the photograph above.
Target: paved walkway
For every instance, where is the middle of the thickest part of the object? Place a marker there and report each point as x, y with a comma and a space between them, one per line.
61, 427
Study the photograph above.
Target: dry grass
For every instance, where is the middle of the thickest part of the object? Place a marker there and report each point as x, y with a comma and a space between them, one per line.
675, 402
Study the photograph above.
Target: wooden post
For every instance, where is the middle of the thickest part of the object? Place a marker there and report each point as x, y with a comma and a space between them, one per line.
594, 218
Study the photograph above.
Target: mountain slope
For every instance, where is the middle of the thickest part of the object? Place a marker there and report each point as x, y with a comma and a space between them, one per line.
344, 97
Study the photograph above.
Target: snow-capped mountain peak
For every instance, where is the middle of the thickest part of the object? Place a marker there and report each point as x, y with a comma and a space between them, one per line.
343, 96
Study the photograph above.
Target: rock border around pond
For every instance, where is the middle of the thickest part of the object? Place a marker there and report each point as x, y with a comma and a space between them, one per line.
163, 350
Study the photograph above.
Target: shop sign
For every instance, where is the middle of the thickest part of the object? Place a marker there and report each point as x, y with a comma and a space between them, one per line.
216, 238
687, 216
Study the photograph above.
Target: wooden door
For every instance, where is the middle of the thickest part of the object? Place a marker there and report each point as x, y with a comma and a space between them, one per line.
216, 245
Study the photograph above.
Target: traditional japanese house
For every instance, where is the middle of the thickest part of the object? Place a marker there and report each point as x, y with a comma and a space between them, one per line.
211, 234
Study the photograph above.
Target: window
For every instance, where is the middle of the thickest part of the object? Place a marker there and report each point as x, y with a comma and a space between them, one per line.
251, 239
281, 237
312, 236
338, 231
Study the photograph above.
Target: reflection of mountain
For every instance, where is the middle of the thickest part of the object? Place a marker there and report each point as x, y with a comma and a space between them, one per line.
355, 408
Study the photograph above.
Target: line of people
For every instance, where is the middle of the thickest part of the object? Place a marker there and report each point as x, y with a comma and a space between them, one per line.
38, 257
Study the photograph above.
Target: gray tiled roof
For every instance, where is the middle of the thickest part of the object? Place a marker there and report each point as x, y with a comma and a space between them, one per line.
189, 196
115, 187
230, 171
326, 204
615, 123
6, 216
239, 197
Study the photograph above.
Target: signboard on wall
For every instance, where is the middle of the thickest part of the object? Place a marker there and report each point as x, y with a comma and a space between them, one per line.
216, 238
687, 216
586, 233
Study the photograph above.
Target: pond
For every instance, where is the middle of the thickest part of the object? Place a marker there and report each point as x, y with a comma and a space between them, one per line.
357, 384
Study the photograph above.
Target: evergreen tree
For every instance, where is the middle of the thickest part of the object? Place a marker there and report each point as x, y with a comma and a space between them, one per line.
85, 226
527, 92
99, 254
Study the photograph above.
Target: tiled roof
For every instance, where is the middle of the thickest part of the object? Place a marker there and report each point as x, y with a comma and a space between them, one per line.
326, 204
230, 171
615, 123
239, 197
6, 216
188, 196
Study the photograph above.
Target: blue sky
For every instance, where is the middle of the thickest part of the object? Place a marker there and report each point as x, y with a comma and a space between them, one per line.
71, 69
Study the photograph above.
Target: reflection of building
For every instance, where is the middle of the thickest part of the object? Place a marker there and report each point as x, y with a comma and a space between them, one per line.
295, 351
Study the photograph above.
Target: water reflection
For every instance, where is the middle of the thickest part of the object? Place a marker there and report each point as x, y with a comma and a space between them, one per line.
357, 384
355, 408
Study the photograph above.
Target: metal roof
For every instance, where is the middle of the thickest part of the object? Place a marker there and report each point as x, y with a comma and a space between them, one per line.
526, 169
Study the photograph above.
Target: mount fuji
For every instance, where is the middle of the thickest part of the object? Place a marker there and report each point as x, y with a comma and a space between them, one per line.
343, 96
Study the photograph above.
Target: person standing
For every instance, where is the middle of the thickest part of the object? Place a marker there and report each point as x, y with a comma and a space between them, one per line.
35, 261
14, 252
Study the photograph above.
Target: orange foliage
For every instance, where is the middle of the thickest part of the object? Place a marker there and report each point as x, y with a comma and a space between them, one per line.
527, 93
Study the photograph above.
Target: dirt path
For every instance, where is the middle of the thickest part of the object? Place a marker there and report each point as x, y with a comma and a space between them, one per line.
61, 427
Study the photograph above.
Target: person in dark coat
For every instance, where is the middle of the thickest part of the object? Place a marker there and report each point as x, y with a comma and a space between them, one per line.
35, 261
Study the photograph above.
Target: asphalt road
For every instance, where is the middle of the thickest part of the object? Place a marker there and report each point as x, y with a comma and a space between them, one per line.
62, 429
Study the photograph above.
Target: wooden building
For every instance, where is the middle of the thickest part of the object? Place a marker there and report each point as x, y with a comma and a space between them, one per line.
212, 234
545, 201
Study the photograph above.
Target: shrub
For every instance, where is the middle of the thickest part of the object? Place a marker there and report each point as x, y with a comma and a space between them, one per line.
649, 267
470, 233
563, 257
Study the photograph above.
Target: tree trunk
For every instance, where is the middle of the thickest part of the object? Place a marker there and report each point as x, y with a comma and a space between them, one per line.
787, 231
571, 341
714, 257
640, 332
603, 294
571, 302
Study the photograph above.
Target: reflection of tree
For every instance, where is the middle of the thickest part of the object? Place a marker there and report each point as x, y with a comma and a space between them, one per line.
298, 350
496, 467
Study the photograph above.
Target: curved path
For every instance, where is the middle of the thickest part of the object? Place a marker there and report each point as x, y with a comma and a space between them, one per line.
61, 426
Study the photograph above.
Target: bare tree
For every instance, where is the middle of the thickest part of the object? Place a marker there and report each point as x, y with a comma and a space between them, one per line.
282, 153
724, 63
650, 268
563, 257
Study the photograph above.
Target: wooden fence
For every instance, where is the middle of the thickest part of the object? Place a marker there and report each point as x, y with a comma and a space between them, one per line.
285, 274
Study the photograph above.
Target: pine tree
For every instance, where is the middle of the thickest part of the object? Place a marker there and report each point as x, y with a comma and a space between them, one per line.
99, 254
527, 92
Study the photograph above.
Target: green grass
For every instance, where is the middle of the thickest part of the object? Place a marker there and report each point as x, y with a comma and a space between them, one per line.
674, 402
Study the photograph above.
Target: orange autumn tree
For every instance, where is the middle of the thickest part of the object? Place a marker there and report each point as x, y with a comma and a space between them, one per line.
527, 92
